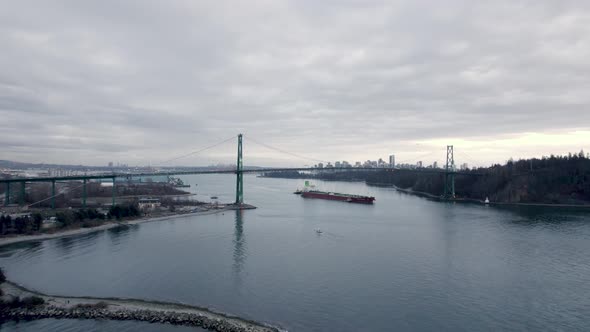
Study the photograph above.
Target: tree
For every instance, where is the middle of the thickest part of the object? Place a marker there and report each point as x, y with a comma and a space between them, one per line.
66, 218
37, 221
115, 212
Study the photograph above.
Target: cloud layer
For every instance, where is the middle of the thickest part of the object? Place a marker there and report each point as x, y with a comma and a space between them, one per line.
143, 81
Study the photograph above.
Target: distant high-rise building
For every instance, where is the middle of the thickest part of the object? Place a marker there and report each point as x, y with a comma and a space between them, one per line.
337, 164
435, 164
358, 164
321, 165
392, 160
419, 164
110, 164
464, 166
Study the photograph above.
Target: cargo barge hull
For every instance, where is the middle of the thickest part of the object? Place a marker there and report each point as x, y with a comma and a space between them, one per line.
338, 197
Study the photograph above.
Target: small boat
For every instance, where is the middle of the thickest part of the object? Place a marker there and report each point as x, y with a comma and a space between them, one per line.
214, 197
318, 231
298, 192
487, 201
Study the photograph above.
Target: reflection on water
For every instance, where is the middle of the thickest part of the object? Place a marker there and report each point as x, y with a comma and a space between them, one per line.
546, 214
239, 242
65, 244
119, 234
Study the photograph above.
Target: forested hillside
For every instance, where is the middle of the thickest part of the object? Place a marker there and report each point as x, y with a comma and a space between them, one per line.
554, 179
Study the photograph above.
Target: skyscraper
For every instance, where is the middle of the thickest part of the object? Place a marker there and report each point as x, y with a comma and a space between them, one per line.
392, 160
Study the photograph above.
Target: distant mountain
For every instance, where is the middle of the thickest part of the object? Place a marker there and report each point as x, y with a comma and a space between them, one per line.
18, 165
21, 165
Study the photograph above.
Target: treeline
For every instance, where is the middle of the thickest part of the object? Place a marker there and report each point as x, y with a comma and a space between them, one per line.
21, 225
552, 180
92, 217
67, 218
124, 211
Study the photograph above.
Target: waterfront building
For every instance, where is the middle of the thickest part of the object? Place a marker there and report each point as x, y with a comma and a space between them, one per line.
149, 203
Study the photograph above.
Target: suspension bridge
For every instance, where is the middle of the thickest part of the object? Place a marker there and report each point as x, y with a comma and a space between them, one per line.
449, 173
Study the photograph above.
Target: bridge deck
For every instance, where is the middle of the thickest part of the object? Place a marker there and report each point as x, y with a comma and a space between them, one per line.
257, 170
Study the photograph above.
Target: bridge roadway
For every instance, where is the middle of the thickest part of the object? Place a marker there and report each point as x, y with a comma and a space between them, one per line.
256, 170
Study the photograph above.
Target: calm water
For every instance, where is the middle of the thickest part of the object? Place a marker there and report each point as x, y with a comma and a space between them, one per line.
404, 264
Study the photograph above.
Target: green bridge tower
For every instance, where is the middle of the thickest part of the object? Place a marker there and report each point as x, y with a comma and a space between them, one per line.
450, 174
239, 175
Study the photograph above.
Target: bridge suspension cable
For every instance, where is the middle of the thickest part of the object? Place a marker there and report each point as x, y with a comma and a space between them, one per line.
197, 151
52, 196
465, 156
285, 152
415, 159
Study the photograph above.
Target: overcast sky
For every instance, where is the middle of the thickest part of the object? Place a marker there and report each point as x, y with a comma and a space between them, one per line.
141, 82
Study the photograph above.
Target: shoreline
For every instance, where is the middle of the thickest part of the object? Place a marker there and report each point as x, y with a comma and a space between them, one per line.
107, 225
74, 307
477, 201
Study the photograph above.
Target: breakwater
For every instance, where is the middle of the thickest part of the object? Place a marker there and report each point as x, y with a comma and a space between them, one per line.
61, 307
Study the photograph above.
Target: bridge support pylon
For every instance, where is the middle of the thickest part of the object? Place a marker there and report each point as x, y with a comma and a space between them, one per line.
84, 194
7, 194
53, 194
113, 192
22, 192
450, 174
239, 175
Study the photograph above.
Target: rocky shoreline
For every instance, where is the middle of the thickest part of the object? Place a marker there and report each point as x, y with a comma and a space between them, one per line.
169, 317
60, 307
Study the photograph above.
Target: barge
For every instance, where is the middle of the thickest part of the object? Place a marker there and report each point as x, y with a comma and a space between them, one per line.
338, 196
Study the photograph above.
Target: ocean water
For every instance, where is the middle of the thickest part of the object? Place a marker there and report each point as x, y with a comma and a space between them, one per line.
404, 263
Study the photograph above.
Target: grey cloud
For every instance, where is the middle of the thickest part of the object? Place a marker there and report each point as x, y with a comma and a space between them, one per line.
148, 80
